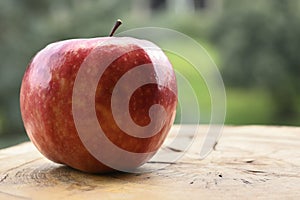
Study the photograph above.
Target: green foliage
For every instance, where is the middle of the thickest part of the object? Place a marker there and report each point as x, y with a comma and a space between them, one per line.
244, 107
259, 45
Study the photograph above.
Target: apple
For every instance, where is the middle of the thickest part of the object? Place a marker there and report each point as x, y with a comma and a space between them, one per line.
99, 104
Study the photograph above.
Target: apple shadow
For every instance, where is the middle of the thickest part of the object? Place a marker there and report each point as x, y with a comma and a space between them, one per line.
69, 178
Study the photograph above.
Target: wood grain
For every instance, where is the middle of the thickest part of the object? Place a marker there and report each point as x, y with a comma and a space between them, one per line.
248, 162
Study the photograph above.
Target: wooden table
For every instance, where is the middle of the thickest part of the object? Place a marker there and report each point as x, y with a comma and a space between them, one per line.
248, 162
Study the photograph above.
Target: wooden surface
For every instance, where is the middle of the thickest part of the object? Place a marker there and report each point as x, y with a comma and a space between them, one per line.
248, 162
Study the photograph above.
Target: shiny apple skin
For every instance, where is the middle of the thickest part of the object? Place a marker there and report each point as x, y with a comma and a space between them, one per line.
46, 103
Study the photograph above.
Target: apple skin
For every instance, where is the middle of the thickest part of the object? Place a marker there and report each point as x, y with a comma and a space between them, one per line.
46, 102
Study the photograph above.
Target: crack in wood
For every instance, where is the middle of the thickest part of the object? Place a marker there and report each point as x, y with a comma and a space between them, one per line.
215, 146
255, 171
249, 161
173, 149
23, 164
245, 181
3, 178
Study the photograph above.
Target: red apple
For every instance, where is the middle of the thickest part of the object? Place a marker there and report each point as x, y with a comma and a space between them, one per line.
116, 82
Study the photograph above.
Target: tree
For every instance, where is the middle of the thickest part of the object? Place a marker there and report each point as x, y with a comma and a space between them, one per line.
259, 45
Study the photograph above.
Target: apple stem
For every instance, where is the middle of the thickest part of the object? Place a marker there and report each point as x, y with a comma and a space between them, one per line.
117, 24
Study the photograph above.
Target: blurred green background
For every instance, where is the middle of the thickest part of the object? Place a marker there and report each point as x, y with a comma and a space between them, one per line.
255, 44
